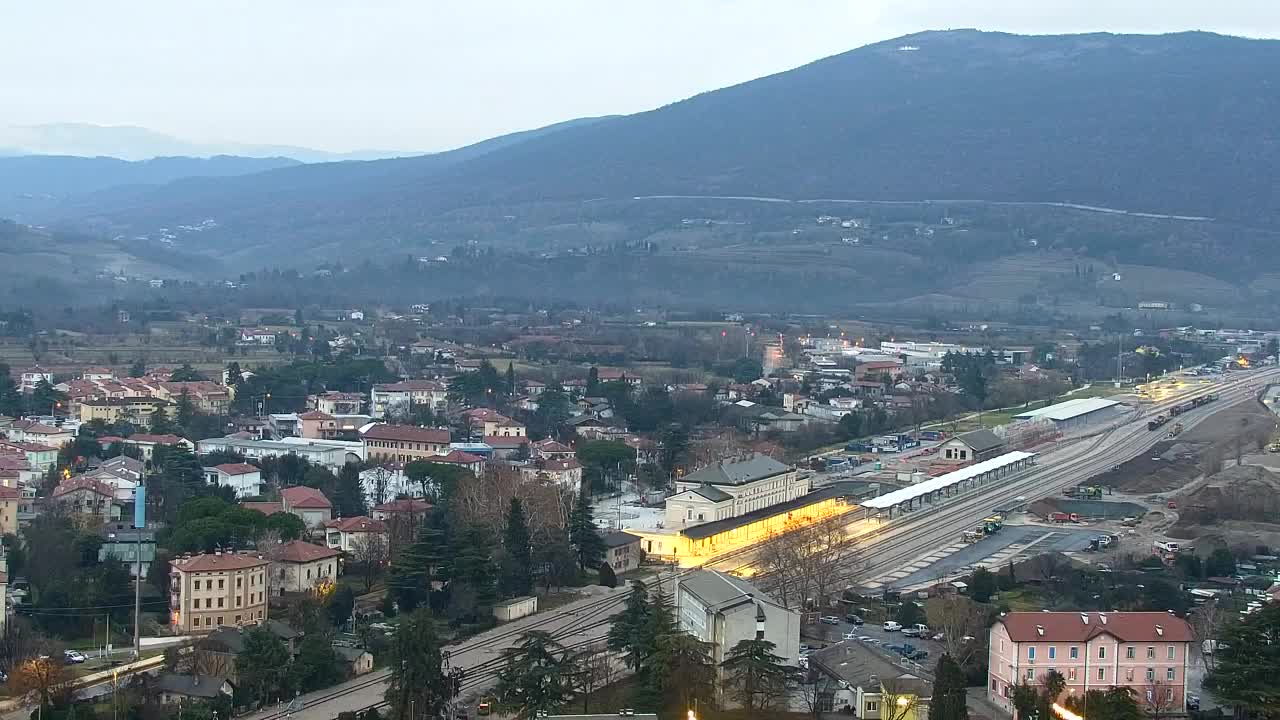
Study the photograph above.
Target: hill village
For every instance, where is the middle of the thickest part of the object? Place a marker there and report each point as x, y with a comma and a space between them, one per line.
232, 534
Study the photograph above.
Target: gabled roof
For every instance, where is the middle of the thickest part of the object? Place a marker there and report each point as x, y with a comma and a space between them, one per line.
406, 433
1083, 626
266, 508
981, 440
202, 686
458, 457
720, 591
84, 482
157, 439
304, 498
237, 468
358, 524
210, 562
712, 493
404, 505
315, 415
300, 551
619, 539
737, 471
504, 442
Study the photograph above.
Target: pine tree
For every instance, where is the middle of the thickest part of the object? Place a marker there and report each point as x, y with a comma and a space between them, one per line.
414, 569
348, 496
593, 382
511, 379
949, 699
473, 571
608, 577
754, 675
626, 632
417, 686
517, 558
584, 535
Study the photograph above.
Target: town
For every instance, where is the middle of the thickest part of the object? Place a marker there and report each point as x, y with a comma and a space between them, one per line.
394, 507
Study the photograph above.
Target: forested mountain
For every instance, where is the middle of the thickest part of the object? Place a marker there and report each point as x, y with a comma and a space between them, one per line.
1180, 124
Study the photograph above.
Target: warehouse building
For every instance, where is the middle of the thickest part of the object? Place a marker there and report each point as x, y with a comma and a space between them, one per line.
1074, 414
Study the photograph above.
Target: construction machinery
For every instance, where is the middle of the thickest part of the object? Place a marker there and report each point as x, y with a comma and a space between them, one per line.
992, 524
972, 536
1175, 430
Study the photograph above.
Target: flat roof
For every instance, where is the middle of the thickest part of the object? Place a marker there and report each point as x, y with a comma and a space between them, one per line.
932, 485
1068, 410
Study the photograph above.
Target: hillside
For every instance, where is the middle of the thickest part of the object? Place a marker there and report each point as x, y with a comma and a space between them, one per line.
33, 183
1175, 124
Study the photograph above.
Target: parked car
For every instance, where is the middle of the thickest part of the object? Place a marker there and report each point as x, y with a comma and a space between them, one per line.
892, 626
73, 657
916, 630
895, 648
830, 620
1193, 701
851, 635
854, 619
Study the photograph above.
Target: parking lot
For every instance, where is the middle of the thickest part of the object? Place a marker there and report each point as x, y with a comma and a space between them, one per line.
872, 634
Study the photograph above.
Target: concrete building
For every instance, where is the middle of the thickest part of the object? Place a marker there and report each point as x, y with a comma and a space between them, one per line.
307, 503
126, 544
724, 610
337, 403
353, 534
733, 487
403, 443
31, 431
147, 443
332, 454
1147, 652
402, 397
974, 446
134, 410
300, 566
1074, 414
865, 680
244, 478
214, 589
622, 551
933, 490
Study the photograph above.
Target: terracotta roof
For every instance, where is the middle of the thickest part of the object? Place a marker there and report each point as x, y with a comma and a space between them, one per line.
37, 428
504, 442
237, 468
404, 505
409, 386
300, 551
315, 415
266, 508
407, 433
458, 457
209, 562
83, 483
31, 447
559, 465
304, 498
358, 524
1082, 626
9, 493
106, 440
549, 445
167, 439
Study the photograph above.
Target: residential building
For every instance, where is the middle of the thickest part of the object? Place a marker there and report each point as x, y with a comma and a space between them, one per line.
211, 590
567, 473
733, 487
133, 410
39, 456
550, 449
405, 509
619, 375
1147, 652
337, 403
88, 499
865, 681
473, 463
10, 502
403, 443
30, 378
353, 534
973, 446
723, 610
506, 447
32, 431
622, 551
404, 396
147, 444
332, 454
357, 661
127, 544
178, 689
244, 478
307, 503
300, 566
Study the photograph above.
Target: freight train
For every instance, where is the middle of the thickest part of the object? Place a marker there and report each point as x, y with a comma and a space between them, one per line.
1181, 408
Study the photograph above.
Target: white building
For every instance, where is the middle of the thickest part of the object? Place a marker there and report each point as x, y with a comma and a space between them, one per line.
244, 478
330, 453
733, 487
724, 610
403, 396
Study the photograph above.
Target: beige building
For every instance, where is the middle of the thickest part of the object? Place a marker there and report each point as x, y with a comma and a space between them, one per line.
215, 589
353, 534
404, 396
300, 566
10, 499
732, 488
134, 410
403, 443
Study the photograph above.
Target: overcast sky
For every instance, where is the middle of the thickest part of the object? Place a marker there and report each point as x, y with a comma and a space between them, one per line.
434, 74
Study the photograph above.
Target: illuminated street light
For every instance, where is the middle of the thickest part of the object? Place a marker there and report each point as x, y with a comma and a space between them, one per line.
1064, 713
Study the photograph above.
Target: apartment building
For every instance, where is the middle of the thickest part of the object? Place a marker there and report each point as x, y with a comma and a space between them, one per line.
405, 395
403, 443
1148, 652
211, 590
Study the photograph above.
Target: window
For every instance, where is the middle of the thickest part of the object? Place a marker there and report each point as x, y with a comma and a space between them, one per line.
1151, 653
1151, 674
1002, 646
195, 584
208, 602
1128, 674
219, 621
1168, 694
873, 706
239, 600
1031, 653
1071, 674
1102, 673
219, 602
221, 583
1129, 653
1031, 674
1169, 674
1075, 652
993, 684
1102, 652
1173, 653
1053, 652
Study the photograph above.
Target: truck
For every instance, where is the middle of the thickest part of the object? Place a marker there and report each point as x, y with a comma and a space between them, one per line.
972, 536
917, 630
1062, 517
1175, 430
1167, 546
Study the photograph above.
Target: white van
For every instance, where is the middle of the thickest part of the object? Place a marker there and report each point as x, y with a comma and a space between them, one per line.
1166, 546
892, 626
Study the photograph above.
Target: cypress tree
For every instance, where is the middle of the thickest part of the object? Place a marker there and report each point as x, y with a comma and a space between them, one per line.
517, 558
584, 535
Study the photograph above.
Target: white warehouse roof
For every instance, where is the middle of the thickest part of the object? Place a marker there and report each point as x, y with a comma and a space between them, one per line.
941, 482
1068, 410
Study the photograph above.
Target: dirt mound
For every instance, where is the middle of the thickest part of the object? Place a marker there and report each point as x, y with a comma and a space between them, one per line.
1151, 472
1242, 492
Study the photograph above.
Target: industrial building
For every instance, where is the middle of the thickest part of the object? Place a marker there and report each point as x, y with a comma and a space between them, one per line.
1074, 414
723, 610
933, 490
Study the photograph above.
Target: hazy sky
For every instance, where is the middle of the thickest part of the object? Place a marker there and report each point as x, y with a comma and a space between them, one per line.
434, 74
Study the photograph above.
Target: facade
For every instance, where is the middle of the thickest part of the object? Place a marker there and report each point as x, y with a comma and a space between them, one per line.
30, 431
176, 689
122, 542
974, 446
1074, 414
43, 457
88, 499
10, 502
723, 610
338, 403
731, 488
134, 410
472, 463
216, 589
405, 509
332, 454
622, 551
566, 473
307, 503
353, 534
403, 443
405, 395
147, 444
244, 478
300, 566
503, 428
1147, 652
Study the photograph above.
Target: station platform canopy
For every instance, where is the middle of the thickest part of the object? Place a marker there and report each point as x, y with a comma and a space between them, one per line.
942, 482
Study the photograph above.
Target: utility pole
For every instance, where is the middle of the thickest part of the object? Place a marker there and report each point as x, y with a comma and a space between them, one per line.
139, 525
1119, 359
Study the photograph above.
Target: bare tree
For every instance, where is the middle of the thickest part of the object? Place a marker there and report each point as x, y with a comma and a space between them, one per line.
369, 554
1158, 700
819, 695
381, 479
210, 657
956, 617
1206, 624
807, 560
595, 670
44, 677
899, 698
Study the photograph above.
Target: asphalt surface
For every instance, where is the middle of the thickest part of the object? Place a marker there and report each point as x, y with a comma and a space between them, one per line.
991, 551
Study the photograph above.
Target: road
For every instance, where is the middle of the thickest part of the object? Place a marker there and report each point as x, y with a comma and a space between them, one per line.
586, 622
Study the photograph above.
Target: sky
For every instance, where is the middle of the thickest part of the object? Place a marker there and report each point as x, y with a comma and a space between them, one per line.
435, 74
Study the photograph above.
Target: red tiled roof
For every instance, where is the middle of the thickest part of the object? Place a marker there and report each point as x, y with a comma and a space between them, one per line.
410, 385
404, 505
167, 439
407, 433
559, 465
358, 524
266, 508
106, 440
238, 468
458, 457
304, 498
299, 551
209, 562
1072, 626
31, 447
83, 483
37, 428
549, 445
504, 442
315, 415
10, 493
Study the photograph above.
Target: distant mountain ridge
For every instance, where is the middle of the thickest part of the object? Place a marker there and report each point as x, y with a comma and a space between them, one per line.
127, 142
